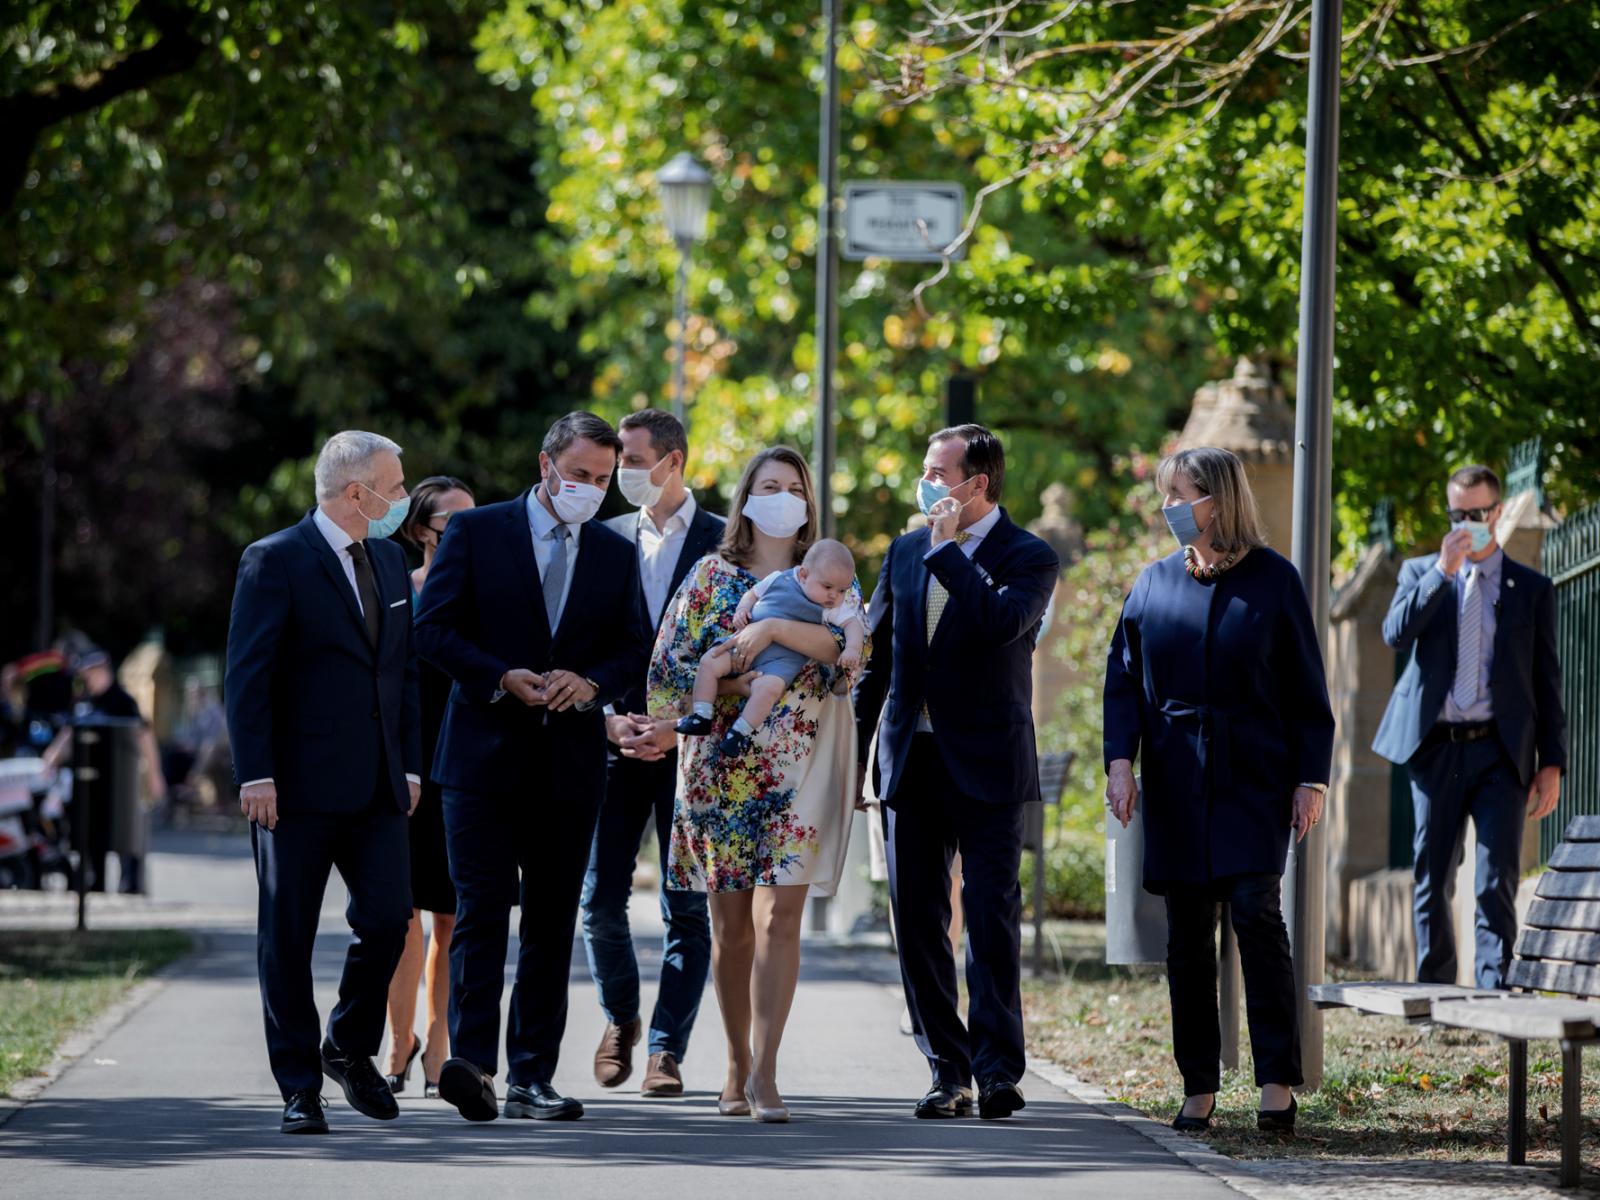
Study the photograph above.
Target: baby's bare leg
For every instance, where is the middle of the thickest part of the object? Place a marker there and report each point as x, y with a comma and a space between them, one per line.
765, 691
715, 665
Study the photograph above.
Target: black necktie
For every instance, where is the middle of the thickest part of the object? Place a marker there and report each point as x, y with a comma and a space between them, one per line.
366, 588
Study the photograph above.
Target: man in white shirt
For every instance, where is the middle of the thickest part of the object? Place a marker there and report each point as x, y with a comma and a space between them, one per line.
671, 533
326, 735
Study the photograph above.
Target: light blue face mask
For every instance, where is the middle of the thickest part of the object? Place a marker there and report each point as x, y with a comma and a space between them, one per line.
1180, 519
1482, 535
930, 493
387, 524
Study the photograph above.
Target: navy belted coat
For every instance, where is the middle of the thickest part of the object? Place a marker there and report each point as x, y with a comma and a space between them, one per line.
1218, 689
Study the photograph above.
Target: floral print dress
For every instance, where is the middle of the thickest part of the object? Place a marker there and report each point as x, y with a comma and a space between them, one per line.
780, 813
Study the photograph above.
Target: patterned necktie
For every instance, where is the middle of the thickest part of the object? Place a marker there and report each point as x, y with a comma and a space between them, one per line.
555, 575
366, 588
1468, 639
938, 596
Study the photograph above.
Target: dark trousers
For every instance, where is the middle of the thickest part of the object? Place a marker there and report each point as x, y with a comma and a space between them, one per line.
1449, 782
636, 792
292, 866
1255, 902
929, 821
544, 836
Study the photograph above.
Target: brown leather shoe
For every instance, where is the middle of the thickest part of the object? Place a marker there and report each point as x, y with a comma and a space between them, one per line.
613, 1061
661, 1076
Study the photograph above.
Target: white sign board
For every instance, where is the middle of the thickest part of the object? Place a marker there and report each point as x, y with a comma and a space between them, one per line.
905, 222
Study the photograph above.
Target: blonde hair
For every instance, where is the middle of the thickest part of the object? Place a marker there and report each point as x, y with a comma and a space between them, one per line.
738, 537
1218, 473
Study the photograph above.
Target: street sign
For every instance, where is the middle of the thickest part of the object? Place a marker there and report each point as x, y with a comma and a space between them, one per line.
905, 222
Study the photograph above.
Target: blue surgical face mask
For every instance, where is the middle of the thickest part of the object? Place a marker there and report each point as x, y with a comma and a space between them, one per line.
386, 525
1180, 519
1482, 535
930, 493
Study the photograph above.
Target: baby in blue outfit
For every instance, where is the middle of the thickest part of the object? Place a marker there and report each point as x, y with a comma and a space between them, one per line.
818, 591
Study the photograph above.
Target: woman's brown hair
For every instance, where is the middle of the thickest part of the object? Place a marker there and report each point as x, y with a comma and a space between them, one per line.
425, 499
738, 537
1236, 522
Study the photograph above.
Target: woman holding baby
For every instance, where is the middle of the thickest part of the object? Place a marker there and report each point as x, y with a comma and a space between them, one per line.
765, 797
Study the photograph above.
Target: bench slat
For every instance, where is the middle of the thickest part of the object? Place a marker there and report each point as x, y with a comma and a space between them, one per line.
1582, 829
1562, 944
1581, 915
1569, 885
1412, 1001
1575, 856
1570, 978
1525, 1018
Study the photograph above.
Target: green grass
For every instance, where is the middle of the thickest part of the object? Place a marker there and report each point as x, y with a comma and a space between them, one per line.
1390, 1090
53, 982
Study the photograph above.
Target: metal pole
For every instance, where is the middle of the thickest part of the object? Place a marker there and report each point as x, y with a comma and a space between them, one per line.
681, 311
1313, 473
1229, 986
827, 266
44, 630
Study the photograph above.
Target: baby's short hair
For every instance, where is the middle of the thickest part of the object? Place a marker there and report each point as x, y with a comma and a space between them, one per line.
829, 553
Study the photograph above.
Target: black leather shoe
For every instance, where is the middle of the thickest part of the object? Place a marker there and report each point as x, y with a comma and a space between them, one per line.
733, 744
1185, 1124
467, 1087
694, 726
1277, 1120
366, 1090
541, 1102
303, 1113
945, 1100
998, 1100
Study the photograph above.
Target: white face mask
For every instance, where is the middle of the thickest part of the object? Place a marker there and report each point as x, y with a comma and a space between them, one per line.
638, 485
574, 503
778, 514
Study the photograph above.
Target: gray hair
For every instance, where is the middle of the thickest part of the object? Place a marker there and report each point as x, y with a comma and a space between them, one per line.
346, 458
1220, 474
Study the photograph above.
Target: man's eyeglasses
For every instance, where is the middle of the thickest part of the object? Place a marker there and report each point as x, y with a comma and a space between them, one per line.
1457, 515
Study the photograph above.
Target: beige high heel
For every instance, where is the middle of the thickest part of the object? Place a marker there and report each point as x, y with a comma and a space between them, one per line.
736, 1107
767, 1116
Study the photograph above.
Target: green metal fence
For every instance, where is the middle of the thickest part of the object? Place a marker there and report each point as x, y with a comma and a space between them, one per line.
1572, 560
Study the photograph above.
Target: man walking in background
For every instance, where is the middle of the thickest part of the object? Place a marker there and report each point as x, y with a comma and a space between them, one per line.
671, 532
324, 723
1476, 718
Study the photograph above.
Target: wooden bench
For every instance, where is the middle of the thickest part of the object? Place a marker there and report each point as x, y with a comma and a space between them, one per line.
1558, 952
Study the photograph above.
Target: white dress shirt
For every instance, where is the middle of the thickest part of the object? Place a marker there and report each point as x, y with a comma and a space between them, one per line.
975, 532
658, 555
540, 524
341, 543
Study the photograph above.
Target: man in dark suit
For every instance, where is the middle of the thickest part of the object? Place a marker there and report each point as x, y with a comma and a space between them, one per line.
671, 533
954, 622
327, 746
536, 614
1477, 720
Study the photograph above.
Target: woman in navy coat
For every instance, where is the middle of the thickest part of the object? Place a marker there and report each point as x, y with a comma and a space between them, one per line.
1215, 680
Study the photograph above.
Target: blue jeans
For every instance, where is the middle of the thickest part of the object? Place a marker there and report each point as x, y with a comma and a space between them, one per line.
636, 791
1449, 782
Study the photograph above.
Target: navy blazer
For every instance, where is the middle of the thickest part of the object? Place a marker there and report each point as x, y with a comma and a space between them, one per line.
482, 614
976, 678
1524, 671
311, 705
703, 536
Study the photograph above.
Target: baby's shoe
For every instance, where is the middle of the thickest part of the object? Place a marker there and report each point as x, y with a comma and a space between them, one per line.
694, 725
733, 744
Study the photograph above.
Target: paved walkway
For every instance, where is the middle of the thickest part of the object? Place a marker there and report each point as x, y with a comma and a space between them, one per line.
177, 1100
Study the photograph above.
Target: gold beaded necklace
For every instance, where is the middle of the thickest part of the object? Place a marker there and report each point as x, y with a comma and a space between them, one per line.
1205, 574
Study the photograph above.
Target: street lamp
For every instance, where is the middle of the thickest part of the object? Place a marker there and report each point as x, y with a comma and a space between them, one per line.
685, 200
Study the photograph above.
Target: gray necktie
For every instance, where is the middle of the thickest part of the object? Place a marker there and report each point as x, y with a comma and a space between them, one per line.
555, 575
1469, 639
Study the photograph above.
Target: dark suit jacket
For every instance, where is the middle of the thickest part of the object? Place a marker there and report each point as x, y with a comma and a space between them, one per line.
482, 614
703, 536
310, 703
976, 678
1524, 672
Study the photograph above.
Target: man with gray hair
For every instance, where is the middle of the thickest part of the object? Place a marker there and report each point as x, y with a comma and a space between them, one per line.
327, 747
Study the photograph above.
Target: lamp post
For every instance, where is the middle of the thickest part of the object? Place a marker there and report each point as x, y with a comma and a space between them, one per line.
685, 200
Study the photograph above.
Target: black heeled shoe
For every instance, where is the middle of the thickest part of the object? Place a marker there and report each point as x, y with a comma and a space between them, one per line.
1184, 1124
397, 1083
1277, 1120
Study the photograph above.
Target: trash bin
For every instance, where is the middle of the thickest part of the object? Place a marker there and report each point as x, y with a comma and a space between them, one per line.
107, 814
1136, 921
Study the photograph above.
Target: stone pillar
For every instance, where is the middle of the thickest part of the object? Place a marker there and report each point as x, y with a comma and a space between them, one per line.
1249, 415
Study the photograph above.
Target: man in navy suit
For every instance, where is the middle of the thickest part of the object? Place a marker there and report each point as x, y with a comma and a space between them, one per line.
327, 745
671, 533
1477, 720
954, 622
536, 614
